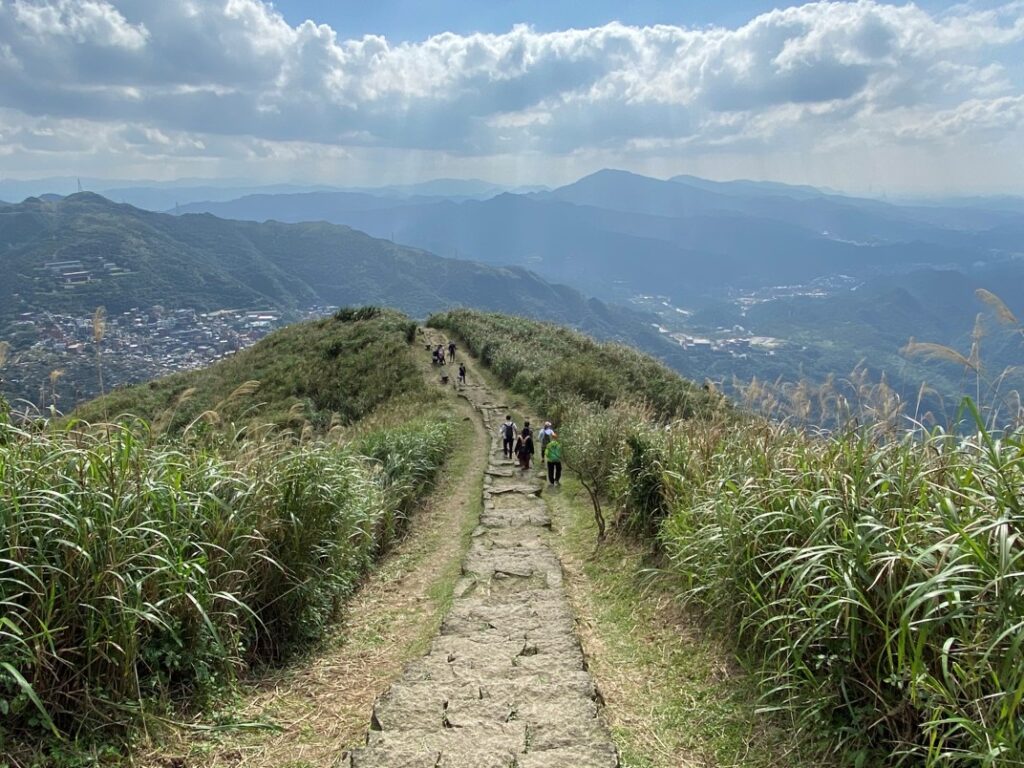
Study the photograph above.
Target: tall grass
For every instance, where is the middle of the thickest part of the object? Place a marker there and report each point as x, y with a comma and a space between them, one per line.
132, 568
872, 577
549, 364
875, 585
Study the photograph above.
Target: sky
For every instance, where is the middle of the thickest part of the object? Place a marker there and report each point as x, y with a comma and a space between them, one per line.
870, 97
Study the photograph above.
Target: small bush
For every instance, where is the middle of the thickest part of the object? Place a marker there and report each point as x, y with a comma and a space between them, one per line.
357, 314
130, 568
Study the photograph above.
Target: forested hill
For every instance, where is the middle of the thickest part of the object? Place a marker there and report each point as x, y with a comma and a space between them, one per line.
76, 253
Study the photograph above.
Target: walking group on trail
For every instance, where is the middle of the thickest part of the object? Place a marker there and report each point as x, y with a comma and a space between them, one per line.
520, 445
438, 358
516, 444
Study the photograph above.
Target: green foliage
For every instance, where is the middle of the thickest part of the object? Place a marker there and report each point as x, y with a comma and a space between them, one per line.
356, 314
324, 373
549, 364
875, 583
592, 439
152, 560
130, 570
640, 481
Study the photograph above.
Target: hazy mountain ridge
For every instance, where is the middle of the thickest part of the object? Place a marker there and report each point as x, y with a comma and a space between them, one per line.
814, 281
75, 254
682, 237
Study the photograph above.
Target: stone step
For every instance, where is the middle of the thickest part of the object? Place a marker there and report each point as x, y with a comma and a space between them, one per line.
504, 684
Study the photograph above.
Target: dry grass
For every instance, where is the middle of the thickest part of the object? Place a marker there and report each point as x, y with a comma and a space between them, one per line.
314, 709
674, 695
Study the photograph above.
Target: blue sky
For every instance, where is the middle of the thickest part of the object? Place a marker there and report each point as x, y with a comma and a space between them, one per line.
403, 20
412, 20
860, 95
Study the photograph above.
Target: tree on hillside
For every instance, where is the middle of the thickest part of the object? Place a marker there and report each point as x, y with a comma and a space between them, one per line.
592, 439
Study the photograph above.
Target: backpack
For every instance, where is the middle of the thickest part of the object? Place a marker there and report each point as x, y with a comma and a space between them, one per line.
508, 431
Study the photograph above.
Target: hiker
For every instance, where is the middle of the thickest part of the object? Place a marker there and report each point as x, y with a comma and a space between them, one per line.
451, 351
462, 373
508, 436
440, 354
545, 438
526, 429
518, 450
553, 457
527, 449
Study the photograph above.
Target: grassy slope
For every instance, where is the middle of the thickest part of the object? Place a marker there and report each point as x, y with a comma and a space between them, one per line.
159, 566
325, 372
872, 581
548, 363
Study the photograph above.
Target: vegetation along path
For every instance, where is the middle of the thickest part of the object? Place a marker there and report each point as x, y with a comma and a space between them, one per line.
504, 684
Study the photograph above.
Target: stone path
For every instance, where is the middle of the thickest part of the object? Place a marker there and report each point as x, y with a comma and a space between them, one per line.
505, 684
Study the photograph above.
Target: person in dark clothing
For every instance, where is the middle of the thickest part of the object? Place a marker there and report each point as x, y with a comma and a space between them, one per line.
462, 373
527, 450
508, 436
451, 351
519, 449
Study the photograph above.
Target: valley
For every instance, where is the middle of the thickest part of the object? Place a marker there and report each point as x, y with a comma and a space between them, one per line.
511, 385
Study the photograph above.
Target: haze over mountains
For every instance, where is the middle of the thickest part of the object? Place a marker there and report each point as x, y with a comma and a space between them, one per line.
71, 255
686, 237
753, 278
722, 279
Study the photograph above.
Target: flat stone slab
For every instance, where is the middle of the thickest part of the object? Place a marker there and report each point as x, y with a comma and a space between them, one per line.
504, 684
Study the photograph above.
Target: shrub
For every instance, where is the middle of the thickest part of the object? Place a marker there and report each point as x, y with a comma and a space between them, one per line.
876, 585
131, 569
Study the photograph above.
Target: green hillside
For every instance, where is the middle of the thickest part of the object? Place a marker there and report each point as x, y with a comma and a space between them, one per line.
870, 577
321, 373
220, 523
550, 364
139, 258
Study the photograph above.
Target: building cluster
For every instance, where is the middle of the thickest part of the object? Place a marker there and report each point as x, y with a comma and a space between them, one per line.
136, 345
735, 341
676, 326
72, 272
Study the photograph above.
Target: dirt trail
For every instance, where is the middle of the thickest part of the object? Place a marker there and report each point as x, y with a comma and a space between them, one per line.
504, 684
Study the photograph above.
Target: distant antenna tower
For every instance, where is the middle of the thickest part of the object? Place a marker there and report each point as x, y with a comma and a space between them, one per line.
79, 184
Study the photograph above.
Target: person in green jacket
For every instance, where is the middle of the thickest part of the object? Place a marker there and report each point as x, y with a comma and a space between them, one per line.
553, 456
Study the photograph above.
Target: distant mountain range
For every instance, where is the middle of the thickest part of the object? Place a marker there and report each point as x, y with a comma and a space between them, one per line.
723, 278
166, 196
615, 234
71, 255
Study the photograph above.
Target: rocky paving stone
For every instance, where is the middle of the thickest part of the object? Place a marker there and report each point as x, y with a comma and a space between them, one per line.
504, 684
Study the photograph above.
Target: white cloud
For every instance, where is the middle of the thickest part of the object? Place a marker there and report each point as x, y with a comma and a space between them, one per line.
815, 77
83, 21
